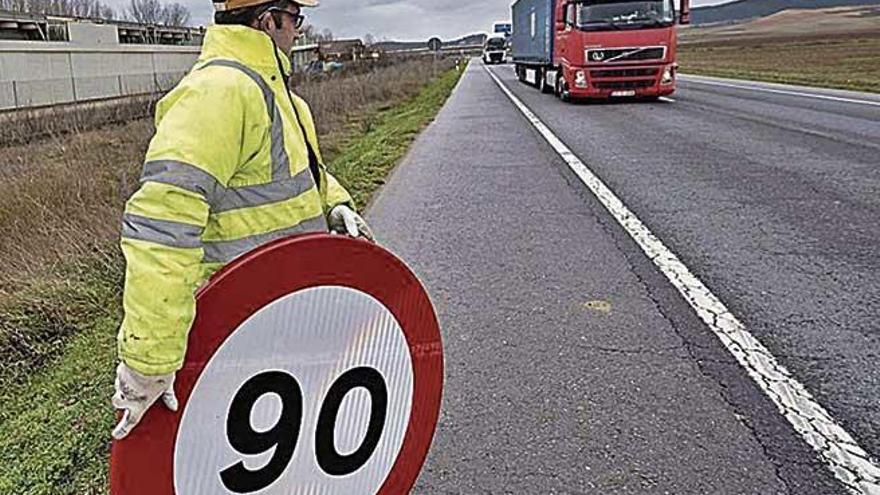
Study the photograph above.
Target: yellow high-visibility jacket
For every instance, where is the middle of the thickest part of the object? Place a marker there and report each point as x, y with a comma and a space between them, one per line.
228, 170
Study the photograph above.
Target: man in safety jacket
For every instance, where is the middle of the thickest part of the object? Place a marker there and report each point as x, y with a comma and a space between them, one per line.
234, 164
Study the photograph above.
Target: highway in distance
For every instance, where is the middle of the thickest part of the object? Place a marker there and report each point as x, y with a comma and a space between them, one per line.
678, 296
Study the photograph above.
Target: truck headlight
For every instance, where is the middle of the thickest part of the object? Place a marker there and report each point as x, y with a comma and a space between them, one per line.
668, 76
580, 79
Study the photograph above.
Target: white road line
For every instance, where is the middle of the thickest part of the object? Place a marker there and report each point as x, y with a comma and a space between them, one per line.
699, 80
666, 99
836, 447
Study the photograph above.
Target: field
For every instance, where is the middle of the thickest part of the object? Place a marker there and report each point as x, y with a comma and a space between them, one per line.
837, 48
61, 199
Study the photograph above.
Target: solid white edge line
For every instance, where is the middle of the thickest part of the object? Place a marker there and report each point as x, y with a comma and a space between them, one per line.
836, 447
709, 82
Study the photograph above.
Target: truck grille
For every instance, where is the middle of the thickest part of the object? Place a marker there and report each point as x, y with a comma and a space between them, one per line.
623, 73
600, 55
641, 83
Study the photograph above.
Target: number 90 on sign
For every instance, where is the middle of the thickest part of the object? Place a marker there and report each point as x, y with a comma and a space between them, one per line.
282, 438
322, 408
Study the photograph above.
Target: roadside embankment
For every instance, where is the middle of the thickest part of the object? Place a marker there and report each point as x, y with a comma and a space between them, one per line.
60, 203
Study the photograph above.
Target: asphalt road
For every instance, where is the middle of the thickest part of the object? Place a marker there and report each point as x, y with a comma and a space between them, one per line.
573, 366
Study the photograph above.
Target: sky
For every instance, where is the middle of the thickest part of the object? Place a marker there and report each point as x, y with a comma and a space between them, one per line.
402, 20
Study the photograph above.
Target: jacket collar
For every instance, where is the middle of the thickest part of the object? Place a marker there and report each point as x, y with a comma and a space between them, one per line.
249, 46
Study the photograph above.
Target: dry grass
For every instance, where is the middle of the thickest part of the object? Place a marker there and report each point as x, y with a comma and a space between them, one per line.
27, 126
332, 100
61, 200
832, 48
59, 197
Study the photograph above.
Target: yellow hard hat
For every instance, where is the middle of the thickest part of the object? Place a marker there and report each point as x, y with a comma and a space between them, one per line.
237, 4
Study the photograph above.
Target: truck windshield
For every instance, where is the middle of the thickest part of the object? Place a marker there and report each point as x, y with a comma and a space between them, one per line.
624, 14
496, 43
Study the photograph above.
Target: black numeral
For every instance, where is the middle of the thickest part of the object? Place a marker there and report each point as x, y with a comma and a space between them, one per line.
283, 436
325, 445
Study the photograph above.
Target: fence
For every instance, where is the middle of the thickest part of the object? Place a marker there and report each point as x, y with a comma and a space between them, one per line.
34, 76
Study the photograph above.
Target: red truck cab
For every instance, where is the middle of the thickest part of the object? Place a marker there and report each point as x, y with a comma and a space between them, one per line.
607, 49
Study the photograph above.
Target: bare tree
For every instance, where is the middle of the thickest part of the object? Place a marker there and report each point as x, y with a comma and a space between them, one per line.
107, 12
310, 34
153, 12
72, 8
175, 14
146, 11
369, 39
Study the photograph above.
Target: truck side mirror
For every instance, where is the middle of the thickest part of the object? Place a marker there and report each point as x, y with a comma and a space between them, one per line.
561, 9
685, 15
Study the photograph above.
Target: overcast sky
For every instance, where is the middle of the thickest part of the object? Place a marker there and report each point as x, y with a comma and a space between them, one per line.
395, 19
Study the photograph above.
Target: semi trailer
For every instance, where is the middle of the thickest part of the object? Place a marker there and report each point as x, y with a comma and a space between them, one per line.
597, 48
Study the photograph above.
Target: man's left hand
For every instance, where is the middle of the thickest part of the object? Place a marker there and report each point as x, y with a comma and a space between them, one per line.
344, 220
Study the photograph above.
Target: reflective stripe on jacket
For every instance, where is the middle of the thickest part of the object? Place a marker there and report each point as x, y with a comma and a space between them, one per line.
227, 171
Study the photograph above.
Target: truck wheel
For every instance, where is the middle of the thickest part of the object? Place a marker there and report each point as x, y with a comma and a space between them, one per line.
542, 83
562, 89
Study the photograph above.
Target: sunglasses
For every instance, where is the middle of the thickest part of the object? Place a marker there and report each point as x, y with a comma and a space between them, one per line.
298, 19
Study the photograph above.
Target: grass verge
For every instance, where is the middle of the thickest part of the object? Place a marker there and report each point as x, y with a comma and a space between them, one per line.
55, 422
845, 62
363, 163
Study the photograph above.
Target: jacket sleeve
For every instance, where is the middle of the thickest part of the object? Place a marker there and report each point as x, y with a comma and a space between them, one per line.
332, 192
193, 154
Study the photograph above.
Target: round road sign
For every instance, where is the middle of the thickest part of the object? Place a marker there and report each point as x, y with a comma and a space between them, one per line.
314, 366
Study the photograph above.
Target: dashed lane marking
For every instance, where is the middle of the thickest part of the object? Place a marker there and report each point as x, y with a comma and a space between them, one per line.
835, 446
666, 99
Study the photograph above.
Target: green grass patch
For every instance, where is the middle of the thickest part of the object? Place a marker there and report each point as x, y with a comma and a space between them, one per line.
846, 63
363, 163
56, 416
54, 435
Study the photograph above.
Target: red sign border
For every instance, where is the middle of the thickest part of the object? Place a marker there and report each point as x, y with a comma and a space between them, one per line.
143, 463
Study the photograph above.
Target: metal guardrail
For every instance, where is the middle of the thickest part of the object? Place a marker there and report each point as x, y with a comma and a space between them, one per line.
446, 49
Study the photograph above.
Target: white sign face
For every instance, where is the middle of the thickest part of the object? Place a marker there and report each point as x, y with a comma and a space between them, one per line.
310, 395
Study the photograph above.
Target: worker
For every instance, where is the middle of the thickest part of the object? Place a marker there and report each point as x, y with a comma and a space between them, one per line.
233, 165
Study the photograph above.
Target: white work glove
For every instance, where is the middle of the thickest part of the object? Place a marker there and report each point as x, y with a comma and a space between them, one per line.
135, 393
344, 220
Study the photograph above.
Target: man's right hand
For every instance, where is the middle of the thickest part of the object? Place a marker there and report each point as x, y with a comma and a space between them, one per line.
135, 393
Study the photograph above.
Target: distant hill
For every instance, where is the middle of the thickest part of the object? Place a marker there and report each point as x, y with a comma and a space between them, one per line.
792, 25
741, 10
473, 39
